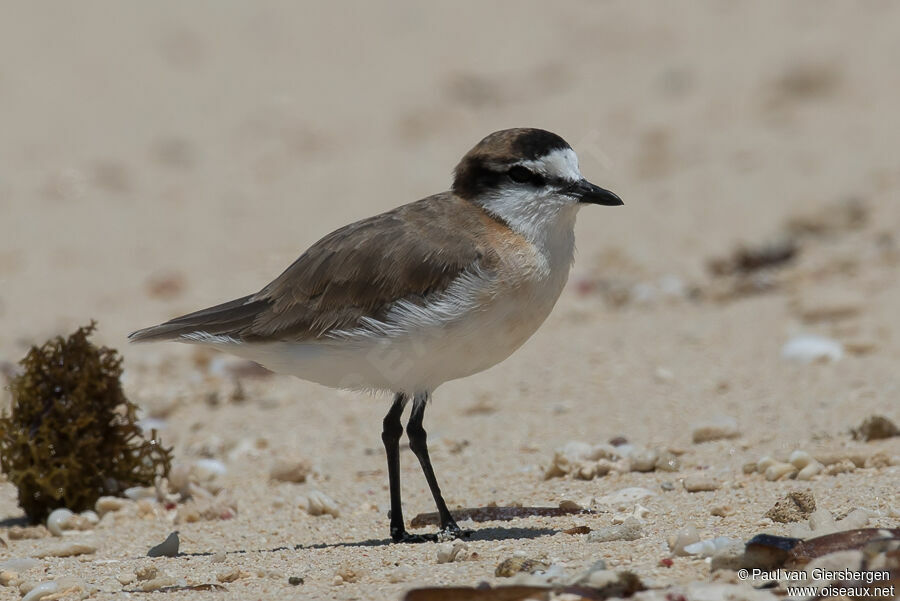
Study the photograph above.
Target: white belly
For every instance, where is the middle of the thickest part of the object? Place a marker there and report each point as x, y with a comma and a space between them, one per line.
419, 358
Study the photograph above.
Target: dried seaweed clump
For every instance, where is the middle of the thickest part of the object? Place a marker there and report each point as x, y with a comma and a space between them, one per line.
71, 436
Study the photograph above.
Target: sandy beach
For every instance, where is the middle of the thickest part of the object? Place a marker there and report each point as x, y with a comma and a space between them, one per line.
159, 158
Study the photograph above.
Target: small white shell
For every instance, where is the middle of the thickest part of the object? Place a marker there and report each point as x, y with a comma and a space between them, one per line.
42, 590
56, 521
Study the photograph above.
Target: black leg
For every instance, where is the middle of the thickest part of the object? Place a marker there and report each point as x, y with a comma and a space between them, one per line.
418, 442
390, 436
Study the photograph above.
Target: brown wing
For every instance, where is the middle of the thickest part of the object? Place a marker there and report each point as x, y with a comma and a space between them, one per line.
354, 272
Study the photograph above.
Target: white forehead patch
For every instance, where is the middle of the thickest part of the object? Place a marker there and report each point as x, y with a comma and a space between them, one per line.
561, 163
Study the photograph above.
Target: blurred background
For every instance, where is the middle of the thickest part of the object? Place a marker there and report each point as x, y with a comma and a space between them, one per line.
160, 157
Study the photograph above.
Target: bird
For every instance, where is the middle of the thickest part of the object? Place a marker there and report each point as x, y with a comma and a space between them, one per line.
431, 291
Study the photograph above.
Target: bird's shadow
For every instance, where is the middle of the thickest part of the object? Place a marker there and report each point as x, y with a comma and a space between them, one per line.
485, 534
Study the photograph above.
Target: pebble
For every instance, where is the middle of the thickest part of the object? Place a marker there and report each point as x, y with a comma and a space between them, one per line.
800, 459
8, 578
67, 550
718, 428
809, 348
810, 470
643, 460
167, 548
452, 551
844, 466
63, 519
780, 471
106, 505
700, 483
630, 529
231, 574
347, 573
763, 464
290, 470
19, 564
514, 565
318, 503
138, 493
157, 583
667, 462
681, 539
218, 557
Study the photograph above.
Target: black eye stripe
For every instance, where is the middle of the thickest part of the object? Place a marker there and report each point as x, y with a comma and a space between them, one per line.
522, 175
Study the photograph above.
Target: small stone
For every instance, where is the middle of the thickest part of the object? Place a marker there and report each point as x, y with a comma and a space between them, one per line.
105, 505
800, 459
717, 429
749, 468
452, 551
667, 461
295, 580
700, 483
318, 503
858, 518
230, 575
570, 505
148, 572
780, 471
793, 507
681, 539
125, 578
643, 460
218, 557
764, 463
844, 466
158, 583
67, 550
291, 470
809, 348
822, 522
875, 427
9, 578
721, 511
167, 548
667, 485
630, 529
514, 565
810, 470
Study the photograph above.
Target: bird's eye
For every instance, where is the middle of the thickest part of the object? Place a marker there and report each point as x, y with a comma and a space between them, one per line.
521, 175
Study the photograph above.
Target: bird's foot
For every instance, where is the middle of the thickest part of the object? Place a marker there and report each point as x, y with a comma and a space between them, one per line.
446, 534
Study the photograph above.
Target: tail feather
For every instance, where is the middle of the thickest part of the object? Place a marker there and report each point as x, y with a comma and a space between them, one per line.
227, 319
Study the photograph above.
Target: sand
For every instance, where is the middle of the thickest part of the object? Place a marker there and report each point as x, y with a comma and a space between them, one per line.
160, 158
